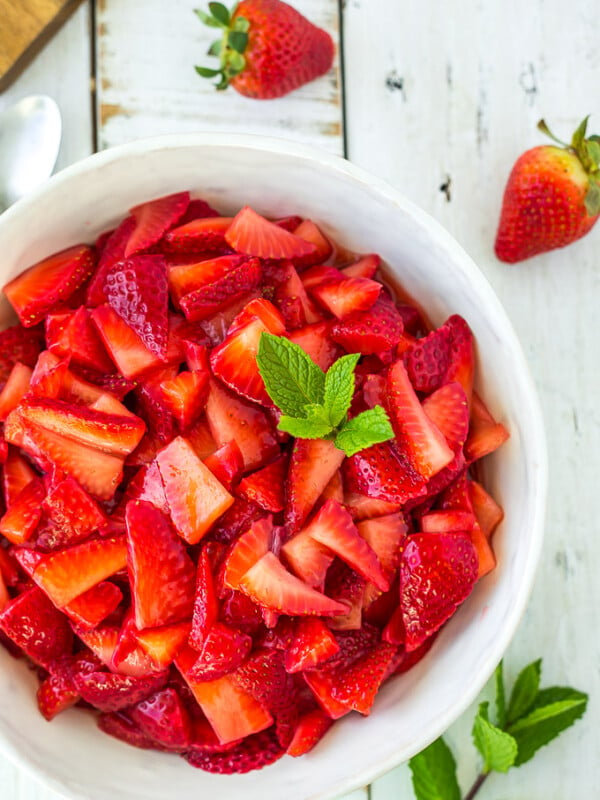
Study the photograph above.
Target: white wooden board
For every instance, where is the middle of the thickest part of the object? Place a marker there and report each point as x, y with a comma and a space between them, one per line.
147, 84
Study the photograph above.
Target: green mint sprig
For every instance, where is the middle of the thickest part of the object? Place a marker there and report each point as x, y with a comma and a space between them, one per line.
315, 404
532, 718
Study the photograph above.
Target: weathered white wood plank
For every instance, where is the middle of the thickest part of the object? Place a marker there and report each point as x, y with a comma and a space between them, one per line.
441, 99
62, 69
147, 83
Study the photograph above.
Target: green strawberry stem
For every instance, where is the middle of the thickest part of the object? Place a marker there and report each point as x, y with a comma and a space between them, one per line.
479, 781
587, 151
230, 47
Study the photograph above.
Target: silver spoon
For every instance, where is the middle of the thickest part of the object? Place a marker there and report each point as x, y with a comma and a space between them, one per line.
30, 133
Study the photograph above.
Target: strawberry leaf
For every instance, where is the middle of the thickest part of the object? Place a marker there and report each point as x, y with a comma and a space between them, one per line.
220, 13
498, 748
207, 19
207, 72
339, 387
366, 429
555, 709
241, 24
237, 40
434, 773
592, 198
524, 691
291, 377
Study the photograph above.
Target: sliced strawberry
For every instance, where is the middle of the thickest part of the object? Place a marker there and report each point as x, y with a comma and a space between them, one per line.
206, 606
311, 728
69, 573
15, 388
226, 464
373, 331
165, 597
485, 434
35, 625
187, 278
16, 474
346, 586
231, 418
122, 727
197, 504
312, 465
73, 511
202, 235
112, 252
308, 559
447, 521
348, 296
124, 346
357, 685
18, 344
364, 267
198, 209
39, 289
416, 435
271, 585
162, 644
235, 521
321, 685
9, 568
290, 296
437, 573
383, 474
238, 611
111, 692
231, 710
249, 548
164, 718
58, 691
448, 409
489, 514
102, 641
254, 235
185, 395
311, 233
153, 219
254, 752
315, 340
311, 643
288, 223
384, 535
334, 489
456, 496
73, 335
223, 650
485, 555
234, 361
92, 607
23, 516
223, 293
266, 486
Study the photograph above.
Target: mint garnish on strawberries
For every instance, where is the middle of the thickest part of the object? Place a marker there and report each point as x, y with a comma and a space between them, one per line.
532, 718
315, 404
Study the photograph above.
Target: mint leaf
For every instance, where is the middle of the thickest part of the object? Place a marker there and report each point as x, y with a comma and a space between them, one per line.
500, 696
434, 773
498, 748
339, 387
366, 429
555, 709
292, 379
314, 428
524, 691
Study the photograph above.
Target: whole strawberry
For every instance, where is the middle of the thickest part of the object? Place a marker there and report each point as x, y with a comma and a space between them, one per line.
267, 49
552, 197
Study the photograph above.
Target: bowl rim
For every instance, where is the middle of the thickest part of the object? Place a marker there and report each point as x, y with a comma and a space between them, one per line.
463, 261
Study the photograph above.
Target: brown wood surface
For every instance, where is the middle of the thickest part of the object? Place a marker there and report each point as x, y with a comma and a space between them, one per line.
25, 26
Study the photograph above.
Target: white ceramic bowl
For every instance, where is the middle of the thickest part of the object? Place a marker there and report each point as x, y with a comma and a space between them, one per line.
278, 178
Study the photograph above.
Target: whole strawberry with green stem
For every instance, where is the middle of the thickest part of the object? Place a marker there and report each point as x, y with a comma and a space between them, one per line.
552, 197
267, 48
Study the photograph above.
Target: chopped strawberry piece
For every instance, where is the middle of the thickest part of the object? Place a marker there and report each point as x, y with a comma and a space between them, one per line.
254, 752
321, 685
111, 692
448, 409
485, 555
153, 219
266, 486
222, 652
236, 520
270, 584
416, 435
485, 434
201, 235
197, 209
122, 727
206, 606
250, 547
18, 344
223, 293
254, 235
92, 607
15, 388
437, 573
196, 498
231, 418
187, 278
39, 289
312, 465
309, 732
73, 335
383, 474
238, 611
365, 267
165, 597
24, 514
357, 685
346, 586
347, 296
124, 346
162, 644
385, 535
185, 395
16, 474
226, 463
112, 252
447, 521
290, 295
322, 248
308, 559
373, 331
58, 691
35, 625
311, 642
164, 718
489, 514
73, 511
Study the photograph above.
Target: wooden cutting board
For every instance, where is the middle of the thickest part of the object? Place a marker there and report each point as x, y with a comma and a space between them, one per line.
25, 26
